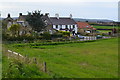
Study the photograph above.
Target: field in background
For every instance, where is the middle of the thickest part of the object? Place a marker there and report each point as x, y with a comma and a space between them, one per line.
106, 27
97, 59
104, 31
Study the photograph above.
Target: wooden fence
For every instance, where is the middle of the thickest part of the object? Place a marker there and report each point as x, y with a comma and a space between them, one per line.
27, 60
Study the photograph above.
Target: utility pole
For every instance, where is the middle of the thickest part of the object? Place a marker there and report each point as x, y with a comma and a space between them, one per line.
113, 29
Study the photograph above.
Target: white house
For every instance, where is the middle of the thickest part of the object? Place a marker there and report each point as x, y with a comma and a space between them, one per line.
60, 23
63, 23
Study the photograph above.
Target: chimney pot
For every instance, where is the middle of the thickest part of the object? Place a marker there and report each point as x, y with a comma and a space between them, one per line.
8, 14
71, 16
46, 14
20, 14
57, 15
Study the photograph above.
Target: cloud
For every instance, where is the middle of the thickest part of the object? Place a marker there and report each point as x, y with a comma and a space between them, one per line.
59, 1
78, 9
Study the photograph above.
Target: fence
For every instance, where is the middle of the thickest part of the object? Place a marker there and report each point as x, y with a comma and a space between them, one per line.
27, 60
93, 38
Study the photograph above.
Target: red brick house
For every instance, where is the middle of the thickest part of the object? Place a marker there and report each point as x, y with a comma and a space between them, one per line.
84, 28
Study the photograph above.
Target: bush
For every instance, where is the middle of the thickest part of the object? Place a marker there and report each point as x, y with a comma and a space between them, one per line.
59, 39
56, 35
46, 36
65, 33
19, 38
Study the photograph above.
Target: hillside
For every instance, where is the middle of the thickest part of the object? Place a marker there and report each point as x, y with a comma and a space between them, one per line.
92, 20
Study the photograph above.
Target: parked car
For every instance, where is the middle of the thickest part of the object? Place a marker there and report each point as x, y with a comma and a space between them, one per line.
99, 37
81, 37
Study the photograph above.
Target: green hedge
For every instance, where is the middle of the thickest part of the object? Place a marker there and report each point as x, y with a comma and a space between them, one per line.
36, 45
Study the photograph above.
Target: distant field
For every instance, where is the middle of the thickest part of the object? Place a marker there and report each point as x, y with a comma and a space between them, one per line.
97, 59
104, 31
106, 27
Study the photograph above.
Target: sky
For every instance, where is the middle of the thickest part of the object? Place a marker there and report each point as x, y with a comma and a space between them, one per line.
87, 9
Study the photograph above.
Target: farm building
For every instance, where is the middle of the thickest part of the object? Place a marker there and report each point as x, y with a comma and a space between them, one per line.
84, 27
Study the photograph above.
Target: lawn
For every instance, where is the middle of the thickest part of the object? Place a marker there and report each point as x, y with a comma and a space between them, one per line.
98, 59
0, 61
104, 31
106, 27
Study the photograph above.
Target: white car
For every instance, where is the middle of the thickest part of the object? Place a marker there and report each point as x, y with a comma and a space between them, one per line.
81, 37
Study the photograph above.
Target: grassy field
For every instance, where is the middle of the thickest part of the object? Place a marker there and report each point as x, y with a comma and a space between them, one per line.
106, 27
97, 59
104, 31
0, 61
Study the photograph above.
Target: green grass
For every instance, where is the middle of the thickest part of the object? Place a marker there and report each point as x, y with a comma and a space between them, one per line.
13, 68
106, 27
97, 59
104, 31
0, 61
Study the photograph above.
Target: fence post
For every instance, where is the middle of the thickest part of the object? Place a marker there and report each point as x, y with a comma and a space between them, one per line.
95, 38
35, 60
11, 54
8, 56
26, 59
18, 55
45, 70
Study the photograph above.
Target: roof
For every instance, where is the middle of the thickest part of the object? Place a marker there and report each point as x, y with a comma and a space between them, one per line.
8, 19
46, 18
62, 21
23, 17
83, 25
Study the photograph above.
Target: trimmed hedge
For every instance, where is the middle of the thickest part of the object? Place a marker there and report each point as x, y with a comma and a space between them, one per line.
36, 45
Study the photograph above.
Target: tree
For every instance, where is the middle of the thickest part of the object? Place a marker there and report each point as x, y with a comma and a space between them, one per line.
14, 29
4, 25
35, 20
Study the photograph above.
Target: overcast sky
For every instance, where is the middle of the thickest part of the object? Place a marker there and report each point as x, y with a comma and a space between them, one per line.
90, 9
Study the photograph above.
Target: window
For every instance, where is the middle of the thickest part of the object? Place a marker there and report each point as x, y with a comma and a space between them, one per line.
61, 26
73, 26
66, 26
56, 26
70, 27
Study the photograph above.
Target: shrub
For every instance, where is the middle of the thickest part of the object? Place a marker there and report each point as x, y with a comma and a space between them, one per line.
65, 33
46, 36
19, 38
56, 35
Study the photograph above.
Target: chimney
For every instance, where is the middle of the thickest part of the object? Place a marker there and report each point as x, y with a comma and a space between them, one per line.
8, 14
20, 14
71, 16
46, 14
57, 15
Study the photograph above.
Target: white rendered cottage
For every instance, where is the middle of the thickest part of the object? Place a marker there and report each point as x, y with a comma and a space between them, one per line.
60, 23
63, 23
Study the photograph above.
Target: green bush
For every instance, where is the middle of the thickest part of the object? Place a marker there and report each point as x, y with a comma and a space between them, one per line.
19, 38
56, 35
65, 33
46, 36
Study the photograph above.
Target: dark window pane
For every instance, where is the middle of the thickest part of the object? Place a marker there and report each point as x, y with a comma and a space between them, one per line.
56, 26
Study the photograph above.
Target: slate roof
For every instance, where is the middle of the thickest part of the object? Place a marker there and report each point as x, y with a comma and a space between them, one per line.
46, 18
62, 21
8, 19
